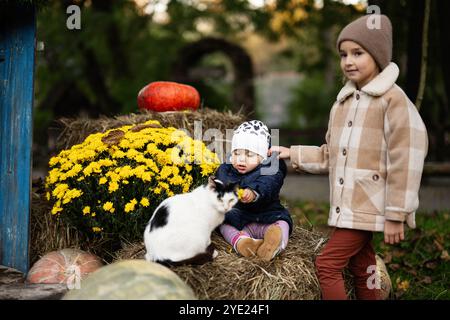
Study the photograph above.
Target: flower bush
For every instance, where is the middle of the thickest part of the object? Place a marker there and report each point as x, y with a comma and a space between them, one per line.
110, 184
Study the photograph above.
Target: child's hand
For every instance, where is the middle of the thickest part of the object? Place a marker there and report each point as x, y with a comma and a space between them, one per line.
248, 196
284, 153
393, 232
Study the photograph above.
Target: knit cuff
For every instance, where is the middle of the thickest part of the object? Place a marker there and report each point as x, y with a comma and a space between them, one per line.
395, 216
256, 195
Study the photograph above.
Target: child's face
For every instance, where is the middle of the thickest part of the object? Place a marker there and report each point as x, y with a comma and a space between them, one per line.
357, 64
245, 161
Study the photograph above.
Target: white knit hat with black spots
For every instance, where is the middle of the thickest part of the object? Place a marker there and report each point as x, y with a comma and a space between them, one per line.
253, 136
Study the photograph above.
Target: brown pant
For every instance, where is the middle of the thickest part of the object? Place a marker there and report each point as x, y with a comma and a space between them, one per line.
352, 248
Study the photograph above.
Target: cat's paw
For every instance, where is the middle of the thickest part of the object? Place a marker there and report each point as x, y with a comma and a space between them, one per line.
215, 254
148, 257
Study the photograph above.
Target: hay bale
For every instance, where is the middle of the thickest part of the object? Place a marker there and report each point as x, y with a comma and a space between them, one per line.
74, 131
48, 233
289, 276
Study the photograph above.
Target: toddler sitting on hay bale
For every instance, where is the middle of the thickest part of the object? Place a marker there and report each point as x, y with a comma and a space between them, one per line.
258, 224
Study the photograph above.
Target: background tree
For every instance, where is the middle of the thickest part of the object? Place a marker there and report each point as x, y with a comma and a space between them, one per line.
124, 44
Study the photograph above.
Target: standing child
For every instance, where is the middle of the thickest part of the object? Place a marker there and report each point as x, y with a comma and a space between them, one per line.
258, 225
374, 153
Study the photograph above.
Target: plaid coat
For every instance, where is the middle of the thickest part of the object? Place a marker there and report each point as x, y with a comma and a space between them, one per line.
374, 153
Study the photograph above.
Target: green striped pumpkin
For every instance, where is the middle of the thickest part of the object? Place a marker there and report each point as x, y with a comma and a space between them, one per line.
132, 280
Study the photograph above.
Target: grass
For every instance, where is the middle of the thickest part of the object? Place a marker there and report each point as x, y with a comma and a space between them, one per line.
419, 267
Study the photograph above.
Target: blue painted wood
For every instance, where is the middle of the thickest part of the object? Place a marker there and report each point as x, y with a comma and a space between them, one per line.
17, 58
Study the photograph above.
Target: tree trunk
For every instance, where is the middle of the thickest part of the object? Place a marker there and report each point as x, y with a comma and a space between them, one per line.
424, 58
414, 48
444, 31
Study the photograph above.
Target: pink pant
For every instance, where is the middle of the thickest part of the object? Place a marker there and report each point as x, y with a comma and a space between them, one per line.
253, 230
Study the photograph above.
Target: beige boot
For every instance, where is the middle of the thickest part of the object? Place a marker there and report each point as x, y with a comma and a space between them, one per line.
271, 245
247, 247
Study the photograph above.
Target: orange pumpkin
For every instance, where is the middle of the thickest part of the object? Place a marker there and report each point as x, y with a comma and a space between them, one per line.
168, 96
63, 266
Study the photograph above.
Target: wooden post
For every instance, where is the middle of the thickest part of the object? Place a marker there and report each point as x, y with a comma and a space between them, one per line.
17, 59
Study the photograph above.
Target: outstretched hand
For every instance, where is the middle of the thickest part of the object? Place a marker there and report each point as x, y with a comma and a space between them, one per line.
284, 153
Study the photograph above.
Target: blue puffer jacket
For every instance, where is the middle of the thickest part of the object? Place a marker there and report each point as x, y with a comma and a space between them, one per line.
267, 208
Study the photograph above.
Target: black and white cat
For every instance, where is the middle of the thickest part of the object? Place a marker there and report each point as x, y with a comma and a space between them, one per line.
179, 231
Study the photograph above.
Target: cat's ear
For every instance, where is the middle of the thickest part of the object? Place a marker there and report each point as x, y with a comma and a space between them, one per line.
212, 182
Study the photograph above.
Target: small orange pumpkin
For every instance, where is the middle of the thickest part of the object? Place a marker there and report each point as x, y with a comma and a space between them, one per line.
63, 266
163, 96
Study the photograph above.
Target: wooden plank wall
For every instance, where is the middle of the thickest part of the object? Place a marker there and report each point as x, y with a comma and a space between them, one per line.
17, 59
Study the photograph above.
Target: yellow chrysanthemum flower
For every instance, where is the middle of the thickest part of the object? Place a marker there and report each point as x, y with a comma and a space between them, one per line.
71, 194
113, 186
54, 161
144, 202
86, 210
240, 193
157, 190
60, 190
56, 209
107, 206
146, 176
130, 205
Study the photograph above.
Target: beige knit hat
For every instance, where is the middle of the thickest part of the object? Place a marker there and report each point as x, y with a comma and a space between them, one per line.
376, 39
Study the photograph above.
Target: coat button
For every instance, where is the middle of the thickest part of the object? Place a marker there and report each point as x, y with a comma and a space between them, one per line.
357, 96
350, 123
341, 181
375, 177
344, 152
338, 210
